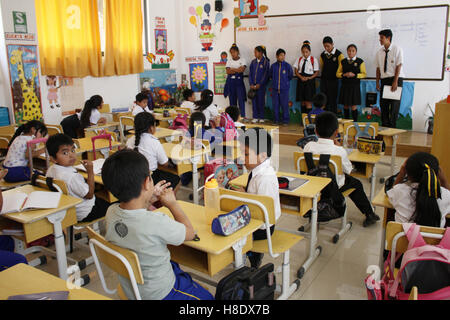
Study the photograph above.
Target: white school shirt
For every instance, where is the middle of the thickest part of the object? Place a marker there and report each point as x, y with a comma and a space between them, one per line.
188, 104
17, 154
95, 116
395, 57
402, 197
310, 68
151, 148
76, 187
210, 113
138, 109
265, 182
236, 64
327, 146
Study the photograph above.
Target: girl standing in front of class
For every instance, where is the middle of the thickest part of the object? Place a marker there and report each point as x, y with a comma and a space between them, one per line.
306, 68
351, 70
258, 76
17, 157
234, 86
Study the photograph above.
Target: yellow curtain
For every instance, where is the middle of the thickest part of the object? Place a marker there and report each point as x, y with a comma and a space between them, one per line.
69, 37
123, 49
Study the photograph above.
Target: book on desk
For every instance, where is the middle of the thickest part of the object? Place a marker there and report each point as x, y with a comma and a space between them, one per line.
19, 201
98, 165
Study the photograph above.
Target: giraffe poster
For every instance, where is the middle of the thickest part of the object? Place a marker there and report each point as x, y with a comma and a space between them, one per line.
24, 76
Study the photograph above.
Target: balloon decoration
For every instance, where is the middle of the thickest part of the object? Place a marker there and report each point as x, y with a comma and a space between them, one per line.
206, 29
237, 22
207, 8
225, 23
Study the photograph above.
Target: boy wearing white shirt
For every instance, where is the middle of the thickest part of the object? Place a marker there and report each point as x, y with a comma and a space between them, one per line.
61, 149
262, 180
327, 130
141, 104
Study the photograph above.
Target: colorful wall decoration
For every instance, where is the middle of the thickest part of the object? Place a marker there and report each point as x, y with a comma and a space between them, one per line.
249, 8
207, 28
161, 41
162, 83
25, 87
198, 75
220, 77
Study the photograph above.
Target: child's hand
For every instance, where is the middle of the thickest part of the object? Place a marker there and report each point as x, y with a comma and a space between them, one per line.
160, 188
167, 198
88, 165
3, 173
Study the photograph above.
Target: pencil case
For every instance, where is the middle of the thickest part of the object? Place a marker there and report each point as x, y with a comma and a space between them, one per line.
369, 145
228, 223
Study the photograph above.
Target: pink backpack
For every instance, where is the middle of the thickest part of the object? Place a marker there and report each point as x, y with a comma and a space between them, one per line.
425, 266
227, 123
180, 122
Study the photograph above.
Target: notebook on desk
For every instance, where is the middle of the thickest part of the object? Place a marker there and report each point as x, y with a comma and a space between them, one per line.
97, 164
295, 183
19, 201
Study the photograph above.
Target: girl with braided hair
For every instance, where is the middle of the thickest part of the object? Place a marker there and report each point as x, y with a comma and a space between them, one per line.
147, 144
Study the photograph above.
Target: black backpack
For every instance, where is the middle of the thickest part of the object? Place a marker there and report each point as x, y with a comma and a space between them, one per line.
248, 284
309, 134
332, 202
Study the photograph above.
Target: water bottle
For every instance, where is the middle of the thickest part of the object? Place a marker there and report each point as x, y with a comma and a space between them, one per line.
212, 202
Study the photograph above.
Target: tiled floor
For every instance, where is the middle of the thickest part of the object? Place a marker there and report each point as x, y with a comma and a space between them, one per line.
337, 274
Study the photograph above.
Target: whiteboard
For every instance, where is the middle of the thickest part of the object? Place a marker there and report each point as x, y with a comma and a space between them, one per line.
421, 33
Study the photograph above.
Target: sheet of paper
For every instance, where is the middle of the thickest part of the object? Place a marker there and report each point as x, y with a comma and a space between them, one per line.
388, 94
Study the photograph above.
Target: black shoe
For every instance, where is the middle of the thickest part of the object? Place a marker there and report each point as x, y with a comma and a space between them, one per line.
370, 219
255, 259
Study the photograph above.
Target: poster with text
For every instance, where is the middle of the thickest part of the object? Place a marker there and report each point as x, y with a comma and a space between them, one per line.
220, 77
25, 87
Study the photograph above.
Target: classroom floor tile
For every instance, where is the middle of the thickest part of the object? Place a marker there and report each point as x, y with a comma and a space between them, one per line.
338, 273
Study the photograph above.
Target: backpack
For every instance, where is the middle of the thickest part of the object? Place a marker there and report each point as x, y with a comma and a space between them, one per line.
361, 134
224, 171
309, 134
423, 265
227, 123
332, 203
248, 284
180, 122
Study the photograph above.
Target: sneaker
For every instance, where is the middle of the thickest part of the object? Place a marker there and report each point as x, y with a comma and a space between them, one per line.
255, 121
370, 219
261, 121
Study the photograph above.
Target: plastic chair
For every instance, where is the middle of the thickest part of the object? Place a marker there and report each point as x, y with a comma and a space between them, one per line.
32, 143
350, 131
336, 168
280, 242
124, 122
122, 261
105, 136
54, 129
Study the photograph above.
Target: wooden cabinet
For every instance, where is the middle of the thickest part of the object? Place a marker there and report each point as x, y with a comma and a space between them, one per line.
441, 135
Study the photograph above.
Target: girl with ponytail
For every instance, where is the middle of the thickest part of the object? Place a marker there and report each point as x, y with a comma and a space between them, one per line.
17, 157
234, 85
258, 77
424, 197
146, 143
90, 116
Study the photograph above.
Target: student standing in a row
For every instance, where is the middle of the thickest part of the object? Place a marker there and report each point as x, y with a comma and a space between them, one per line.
330, 60
306, 68
234, 85
258, 77
281, 74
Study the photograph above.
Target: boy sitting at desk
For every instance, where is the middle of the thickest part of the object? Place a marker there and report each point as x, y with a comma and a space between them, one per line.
131, 225
262, 179
327, 131
61, 149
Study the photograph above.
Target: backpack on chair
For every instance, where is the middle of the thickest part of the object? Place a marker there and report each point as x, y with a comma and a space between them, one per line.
180, 122
332, 203
309, 134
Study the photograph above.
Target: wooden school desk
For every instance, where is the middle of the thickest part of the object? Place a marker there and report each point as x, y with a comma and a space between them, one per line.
102, 126
230, 149
390, 137
164, 122
382, 200
186, 160
40, 223
306, 197
366, 167
212, 253
24, 279
167, 134
85, 145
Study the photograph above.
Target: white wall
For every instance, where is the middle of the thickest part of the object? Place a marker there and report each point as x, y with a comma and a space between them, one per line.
425, 91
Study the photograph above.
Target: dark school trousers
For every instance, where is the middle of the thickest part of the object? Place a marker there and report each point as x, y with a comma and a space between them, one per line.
389, 108
330, 88
358, 196
280, 99
259, 102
